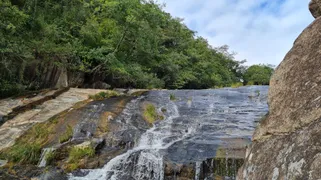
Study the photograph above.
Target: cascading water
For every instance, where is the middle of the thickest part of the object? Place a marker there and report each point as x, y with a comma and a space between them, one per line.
197, 126
44, 155
145, 160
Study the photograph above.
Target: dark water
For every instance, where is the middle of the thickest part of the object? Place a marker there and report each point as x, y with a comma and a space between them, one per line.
206, 129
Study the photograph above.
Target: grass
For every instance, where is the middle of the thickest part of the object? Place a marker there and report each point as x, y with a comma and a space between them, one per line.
150, 113
50, 157
67, 135
172, 97
76, 154
103, 95
24, 153
27, 148
237, 85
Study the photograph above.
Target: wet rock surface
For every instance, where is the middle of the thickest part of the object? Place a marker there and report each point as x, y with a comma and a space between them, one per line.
204, 134
287, 142
196, 135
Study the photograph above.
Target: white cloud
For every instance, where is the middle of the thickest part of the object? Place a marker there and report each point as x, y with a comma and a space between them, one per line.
261, 31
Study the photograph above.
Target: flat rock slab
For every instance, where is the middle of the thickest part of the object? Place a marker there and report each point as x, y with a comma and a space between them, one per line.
7, 105
15, 127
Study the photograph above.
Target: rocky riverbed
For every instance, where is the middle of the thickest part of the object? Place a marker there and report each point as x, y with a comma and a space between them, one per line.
159, 134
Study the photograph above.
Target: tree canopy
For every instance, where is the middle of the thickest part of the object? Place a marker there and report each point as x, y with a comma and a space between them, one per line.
130, 43
258, 74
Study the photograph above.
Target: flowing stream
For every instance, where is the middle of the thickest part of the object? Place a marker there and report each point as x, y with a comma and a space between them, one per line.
197, 126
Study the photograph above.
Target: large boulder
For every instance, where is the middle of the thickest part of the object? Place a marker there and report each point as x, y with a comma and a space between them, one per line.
287, 142
315, 8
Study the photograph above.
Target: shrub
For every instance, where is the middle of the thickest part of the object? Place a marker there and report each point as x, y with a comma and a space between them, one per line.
250, 83
10, 88
237, 85
103, 95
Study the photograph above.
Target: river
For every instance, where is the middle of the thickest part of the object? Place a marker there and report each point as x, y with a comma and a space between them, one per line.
202, 131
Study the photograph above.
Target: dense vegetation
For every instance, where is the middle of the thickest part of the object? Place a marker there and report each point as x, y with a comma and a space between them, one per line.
258, 74
130, 43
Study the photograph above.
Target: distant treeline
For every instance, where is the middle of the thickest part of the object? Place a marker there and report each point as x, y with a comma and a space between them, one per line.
130, 43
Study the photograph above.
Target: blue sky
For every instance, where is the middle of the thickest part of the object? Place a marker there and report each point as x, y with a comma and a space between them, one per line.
260, 31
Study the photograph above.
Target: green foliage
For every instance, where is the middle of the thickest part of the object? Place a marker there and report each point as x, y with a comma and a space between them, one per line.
103, 95
128, 43
250, 83
67, 135
258, 75
8, 88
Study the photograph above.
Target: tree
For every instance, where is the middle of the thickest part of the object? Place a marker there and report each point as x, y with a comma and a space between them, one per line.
125, 43
258, 74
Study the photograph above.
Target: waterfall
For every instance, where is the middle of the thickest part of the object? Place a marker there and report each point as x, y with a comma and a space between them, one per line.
198, 170
208, 131
44, 156
145, 160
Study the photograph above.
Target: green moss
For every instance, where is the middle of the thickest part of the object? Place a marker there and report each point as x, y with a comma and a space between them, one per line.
150, 113
104, 95
67, 135
172, 97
